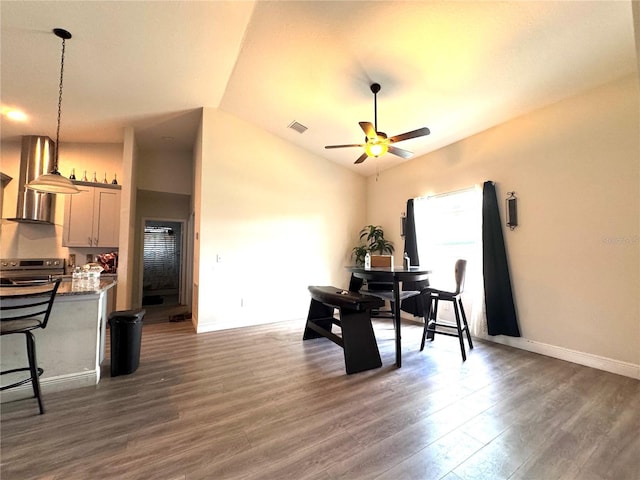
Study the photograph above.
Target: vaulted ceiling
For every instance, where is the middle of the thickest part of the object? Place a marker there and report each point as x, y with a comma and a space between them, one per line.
455, 67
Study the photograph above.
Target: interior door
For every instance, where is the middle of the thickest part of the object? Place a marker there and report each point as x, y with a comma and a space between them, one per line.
162, 263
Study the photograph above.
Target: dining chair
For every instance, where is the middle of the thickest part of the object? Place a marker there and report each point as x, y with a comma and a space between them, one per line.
384, 290
432, 295
355, 283
377, 289
388, 295
24, 308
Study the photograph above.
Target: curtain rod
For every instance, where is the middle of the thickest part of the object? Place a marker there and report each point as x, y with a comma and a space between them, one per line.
444, 194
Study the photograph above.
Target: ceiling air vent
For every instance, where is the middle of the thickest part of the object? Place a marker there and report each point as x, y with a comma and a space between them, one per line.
298, 127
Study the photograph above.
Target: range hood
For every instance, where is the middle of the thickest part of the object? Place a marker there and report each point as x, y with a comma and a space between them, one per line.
36, 158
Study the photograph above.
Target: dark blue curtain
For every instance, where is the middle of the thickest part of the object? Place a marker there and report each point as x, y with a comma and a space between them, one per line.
412, 305
501, 312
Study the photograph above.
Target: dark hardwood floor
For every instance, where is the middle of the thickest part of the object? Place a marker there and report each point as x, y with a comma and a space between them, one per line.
166, 313
258, 403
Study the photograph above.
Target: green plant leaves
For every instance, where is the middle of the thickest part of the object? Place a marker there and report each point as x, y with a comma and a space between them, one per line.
373, 235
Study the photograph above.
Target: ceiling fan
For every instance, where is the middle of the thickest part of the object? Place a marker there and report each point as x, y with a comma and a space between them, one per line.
377, 143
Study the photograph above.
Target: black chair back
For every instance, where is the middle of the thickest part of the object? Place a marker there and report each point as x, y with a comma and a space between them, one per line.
26, 305
460, 271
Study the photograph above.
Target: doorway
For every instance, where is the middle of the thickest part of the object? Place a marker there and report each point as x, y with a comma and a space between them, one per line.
162, 272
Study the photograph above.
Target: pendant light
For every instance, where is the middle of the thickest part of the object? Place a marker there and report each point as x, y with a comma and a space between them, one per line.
53, 182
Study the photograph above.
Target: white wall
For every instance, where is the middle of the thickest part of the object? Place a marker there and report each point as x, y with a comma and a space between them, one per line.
127, 254
197, 218
574, 257
277, 217
165, 171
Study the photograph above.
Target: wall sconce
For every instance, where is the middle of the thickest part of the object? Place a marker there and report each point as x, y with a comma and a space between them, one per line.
403, 223
512, 210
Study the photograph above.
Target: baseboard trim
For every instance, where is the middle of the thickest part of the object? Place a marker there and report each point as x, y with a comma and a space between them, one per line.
589, 360
50, 385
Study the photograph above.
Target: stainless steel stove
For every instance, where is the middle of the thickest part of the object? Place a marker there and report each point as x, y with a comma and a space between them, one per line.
14, 270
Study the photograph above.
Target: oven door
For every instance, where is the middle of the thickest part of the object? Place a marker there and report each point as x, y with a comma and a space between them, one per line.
17, 278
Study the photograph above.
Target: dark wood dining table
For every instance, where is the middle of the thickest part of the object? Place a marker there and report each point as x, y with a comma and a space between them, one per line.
394, 275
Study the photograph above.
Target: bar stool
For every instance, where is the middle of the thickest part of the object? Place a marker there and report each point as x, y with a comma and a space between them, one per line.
431, 323
24, 308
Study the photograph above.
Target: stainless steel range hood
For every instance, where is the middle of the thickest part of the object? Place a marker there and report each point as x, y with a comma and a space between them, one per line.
36, 158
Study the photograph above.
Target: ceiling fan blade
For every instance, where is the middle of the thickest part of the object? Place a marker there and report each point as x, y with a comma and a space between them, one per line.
369, 131
361, 158
344, 146
400, 152
413, 134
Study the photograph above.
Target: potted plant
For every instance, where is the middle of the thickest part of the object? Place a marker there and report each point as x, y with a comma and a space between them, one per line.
373, 235
358, 253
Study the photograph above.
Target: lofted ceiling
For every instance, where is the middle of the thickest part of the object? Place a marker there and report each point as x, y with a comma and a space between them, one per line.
455, 67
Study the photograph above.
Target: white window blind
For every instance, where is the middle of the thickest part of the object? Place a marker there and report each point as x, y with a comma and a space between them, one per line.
161, 259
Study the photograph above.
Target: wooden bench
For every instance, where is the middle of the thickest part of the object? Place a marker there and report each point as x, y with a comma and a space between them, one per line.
358, 339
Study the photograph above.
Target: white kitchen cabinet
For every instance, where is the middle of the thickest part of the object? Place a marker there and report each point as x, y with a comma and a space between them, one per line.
92, 217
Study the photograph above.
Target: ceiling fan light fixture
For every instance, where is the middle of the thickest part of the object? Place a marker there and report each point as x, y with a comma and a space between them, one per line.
376, 148
377, 143
53, 182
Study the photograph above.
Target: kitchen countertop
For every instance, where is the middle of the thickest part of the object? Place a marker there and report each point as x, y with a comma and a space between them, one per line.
69, 276
67, 287
70, 287
72, 348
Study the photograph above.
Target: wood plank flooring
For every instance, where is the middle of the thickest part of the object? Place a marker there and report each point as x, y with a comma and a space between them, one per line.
259, 403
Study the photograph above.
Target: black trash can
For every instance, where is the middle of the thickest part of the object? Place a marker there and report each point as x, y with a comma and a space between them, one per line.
126, 336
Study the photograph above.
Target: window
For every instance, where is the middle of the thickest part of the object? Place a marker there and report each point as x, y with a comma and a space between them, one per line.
161, 259
449, 227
